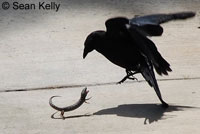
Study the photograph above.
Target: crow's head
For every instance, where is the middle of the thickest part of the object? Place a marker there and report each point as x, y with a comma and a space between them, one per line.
92, 42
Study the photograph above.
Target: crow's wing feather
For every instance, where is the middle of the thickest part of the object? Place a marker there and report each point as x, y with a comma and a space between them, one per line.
156, 19
149, 25
149, 50
116, 26
148, 29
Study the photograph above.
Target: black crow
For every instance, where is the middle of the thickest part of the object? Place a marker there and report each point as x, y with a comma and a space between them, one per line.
126, 44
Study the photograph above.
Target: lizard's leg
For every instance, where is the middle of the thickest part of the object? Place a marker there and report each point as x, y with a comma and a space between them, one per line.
87, 99
62, 114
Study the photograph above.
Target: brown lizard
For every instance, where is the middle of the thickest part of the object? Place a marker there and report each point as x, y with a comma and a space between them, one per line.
71, 107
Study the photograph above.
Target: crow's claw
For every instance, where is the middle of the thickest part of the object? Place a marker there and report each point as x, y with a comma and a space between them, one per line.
128, 76
133, 78
121, 81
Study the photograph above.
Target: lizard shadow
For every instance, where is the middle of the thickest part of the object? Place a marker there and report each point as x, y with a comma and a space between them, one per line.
150, 112
69, 117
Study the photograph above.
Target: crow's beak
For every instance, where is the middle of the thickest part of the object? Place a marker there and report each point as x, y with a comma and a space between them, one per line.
85, 53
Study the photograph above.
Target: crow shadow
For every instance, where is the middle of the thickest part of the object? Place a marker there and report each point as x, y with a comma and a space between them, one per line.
151, 112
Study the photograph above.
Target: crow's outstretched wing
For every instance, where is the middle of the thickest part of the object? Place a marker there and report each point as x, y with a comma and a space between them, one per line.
149, 25
140, 27
119, 27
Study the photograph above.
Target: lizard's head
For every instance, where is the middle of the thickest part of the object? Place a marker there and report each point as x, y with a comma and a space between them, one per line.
84, 93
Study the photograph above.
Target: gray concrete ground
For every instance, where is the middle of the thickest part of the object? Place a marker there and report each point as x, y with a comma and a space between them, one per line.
41, 54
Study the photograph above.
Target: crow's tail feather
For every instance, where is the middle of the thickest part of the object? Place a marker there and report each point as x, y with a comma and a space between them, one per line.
163, 67
149, 76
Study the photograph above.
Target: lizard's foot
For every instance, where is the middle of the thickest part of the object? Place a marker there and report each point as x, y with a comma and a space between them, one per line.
62, 115
87, 99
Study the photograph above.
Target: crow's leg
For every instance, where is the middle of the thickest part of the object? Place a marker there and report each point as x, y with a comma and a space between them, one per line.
124, 79
128, 76
131, 75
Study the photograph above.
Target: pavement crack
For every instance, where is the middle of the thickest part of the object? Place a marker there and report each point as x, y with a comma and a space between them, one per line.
89, 85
